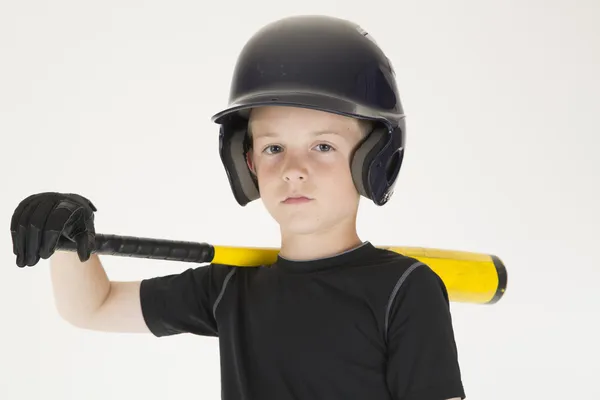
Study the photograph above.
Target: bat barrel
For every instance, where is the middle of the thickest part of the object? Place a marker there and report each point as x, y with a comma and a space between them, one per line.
468, 276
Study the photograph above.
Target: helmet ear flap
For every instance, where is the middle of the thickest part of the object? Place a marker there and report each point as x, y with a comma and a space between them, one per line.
376, 163
233, 147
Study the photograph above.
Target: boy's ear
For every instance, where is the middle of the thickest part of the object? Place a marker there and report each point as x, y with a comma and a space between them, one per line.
249, 162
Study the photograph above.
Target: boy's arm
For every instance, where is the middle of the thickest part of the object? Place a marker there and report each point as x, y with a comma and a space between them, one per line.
86, 298
164, 305
422, 353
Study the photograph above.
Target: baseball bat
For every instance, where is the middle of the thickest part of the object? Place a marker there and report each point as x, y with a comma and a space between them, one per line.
469, 277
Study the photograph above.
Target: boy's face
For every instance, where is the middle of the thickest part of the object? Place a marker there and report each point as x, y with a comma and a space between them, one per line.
298, 152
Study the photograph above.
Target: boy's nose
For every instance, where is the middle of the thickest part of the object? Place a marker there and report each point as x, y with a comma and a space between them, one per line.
293, 170
294, 173
293, 176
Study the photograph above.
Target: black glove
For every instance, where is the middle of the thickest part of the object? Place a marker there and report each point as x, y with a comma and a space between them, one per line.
42, 219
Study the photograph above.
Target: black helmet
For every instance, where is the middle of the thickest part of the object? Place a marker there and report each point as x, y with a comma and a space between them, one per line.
322, 63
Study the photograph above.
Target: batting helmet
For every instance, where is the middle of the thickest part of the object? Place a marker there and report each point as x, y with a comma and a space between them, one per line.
322, 63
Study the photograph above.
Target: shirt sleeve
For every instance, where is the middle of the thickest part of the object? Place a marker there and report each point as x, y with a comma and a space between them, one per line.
184, 302
422, 355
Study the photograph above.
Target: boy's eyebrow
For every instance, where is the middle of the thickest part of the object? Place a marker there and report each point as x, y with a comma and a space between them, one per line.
315, 133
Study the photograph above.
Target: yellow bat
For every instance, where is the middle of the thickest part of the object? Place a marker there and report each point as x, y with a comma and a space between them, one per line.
469, 277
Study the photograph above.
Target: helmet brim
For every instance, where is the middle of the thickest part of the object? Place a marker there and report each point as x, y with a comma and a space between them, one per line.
316, 101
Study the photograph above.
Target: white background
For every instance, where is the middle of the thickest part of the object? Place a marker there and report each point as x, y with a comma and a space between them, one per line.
113, 100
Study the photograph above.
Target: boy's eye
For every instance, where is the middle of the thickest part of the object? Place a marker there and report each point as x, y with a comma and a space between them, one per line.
324, 147
272, 148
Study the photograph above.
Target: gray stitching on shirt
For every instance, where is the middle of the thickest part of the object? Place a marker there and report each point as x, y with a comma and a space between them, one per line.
225, 282
395, 292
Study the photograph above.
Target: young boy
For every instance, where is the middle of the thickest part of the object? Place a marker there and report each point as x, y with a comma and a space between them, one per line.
314, 122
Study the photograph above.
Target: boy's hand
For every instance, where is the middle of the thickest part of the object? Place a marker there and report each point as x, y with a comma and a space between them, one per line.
40, 220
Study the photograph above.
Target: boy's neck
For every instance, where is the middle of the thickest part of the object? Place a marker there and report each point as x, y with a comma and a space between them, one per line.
318, 245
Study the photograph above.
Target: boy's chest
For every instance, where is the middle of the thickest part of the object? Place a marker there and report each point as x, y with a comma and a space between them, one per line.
319, 321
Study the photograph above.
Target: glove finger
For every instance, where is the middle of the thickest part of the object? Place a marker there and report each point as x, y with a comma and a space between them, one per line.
20, 234
85, 244
16, 217
87, 241
14, 222
32, 255
49, 242
19, 245
36, 226
58, 224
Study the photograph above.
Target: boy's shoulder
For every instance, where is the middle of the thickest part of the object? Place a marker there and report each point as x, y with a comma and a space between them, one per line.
393, 261
403, 271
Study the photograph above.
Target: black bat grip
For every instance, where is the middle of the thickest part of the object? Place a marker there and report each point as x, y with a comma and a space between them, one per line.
155, 249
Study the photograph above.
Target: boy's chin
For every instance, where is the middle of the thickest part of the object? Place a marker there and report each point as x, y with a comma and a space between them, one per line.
299, 225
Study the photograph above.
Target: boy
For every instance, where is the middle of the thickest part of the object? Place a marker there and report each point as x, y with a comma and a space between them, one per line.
314, 122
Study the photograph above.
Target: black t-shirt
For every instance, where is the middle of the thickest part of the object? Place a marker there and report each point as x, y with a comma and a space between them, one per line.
367, 324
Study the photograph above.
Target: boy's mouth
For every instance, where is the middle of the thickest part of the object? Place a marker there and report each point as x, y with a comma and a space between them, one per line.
296, 200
